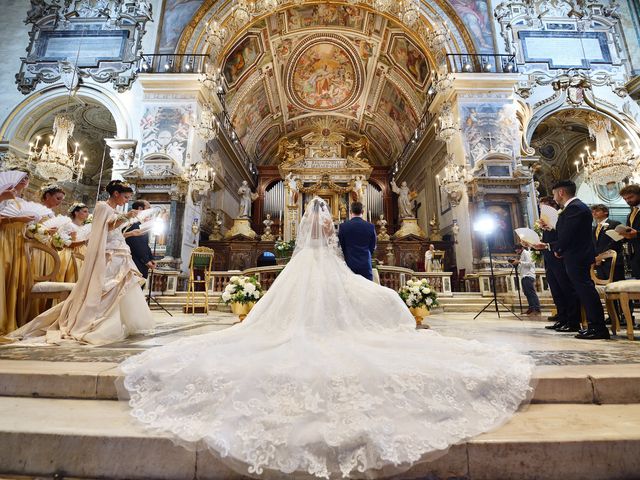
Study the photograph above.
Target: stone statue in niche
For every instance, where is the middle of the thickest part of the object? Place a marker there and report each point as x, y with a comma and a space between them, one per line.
405, 206
246, 198
267, 236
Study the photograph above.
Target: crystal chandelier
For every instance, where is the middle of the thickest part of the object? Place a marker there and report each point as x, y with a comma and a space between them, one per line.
213, 79
608, 163
216, 35
453, 183
54, 162
208, 126
448, 126
613, 166
200, 177
438, 37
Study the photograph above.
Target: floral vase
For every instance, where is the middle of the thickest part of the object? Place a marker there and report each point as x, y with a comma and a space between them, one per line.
282, 260
419, 313
241, 309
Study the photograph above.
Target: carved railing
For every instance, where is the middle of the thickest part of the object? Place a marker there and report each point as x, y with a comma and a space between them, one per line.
482, 63
173, 63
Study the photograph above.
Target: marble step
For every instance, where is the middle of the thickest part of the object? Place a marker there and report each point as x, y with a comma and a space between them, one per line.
99, 439
597, 384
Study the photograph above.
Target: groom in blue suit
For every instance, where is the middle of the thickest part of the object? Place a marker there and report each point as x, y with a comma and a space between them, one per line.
358, 242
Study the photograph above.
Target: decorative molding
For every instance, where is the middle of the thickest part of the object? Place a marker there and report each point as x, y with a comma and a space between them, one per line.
111, 32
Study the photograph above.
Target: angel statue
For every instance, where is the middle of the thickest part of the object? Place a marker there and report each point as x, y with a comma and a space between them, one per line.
405, 206
292, 183
359, 147
246, 198
288, 150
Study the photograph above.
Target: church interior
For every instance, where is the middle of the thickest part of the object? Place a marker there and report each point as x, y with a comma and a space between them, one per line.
229, 116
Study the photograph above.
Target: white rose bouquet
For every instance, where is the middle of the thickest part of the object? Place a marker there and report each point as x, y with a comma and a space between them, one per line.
37, 231
418, 293
242, 289
60, 240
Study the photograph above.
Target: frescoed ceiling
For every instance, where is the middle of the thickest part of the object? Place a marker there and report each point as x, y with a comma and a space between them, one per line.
322, 64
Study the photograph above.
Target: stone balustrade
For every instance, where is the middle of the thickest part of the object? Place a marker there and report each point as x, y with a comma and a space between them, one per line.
391, 277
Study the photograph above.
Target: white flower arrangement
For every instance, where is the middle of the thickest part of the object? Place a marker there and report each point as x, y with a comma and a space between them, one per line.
37, 231
60, 240
242, 289
418, 293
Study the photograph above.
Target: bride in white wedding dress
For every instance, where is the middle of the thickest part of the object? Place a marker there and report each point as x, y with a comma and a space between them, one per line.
327, 376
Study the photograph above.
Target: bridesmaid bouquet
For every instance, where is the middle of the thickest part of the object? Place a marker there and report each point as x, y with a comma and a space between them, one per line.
242, 289
418, 293
37, 231
60, 240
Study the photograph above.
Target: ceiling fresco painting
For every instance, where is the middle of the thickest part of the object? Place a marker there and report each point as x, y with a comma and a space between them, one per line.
242, 58
324, 77
177, 14
338, 63
410, 59
249, 114
394, 105
475, 14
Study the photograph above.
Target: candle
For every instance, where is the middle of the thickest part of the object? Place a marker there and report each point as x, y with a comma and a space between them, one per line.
280, 217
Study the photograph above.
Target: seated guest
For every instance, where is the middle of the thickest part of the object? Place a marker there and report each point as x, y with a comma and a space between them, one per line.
604, 242
528, 278
138, 242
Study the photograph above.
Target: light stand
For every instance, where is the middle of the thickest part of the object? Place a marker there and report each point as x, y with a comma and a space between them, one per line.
517, 277
158, 229
486, 226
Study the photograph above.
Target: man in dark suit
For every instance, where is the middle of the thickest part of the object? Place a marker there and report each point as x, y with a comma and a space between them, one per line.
564, 296
604, 242
139, 242
358, 242
631, 195
575, 247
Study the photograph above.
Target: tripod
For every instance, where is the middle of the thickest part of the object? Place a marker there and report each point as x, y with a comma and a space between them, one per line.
494, 301
151, 270
517, 277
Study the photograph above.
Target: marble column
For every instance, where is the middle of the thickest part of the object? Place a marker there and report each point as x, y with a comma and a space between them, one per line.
174, 239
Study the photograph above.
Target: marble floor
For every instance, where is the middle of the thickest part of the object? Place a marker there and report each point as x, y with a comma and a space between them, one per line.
528, 336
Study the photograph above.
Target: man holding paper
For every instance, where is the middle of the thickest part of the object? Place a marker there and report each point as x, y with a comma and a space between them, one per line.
564, 296
575, 246
604, 239
631, 195
138, 242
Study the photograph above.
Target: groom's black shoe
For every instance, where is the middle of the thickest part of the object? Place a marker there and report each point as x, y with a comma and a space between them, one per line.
594, 335
555, 326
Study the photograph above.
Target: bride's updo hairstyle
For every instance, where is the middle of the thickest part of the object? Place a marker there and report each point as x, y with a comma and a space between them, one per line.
118, 186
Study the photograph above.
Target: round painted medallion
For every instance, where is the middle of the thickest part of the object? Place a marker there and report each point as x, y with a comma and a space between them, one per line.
324, 76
